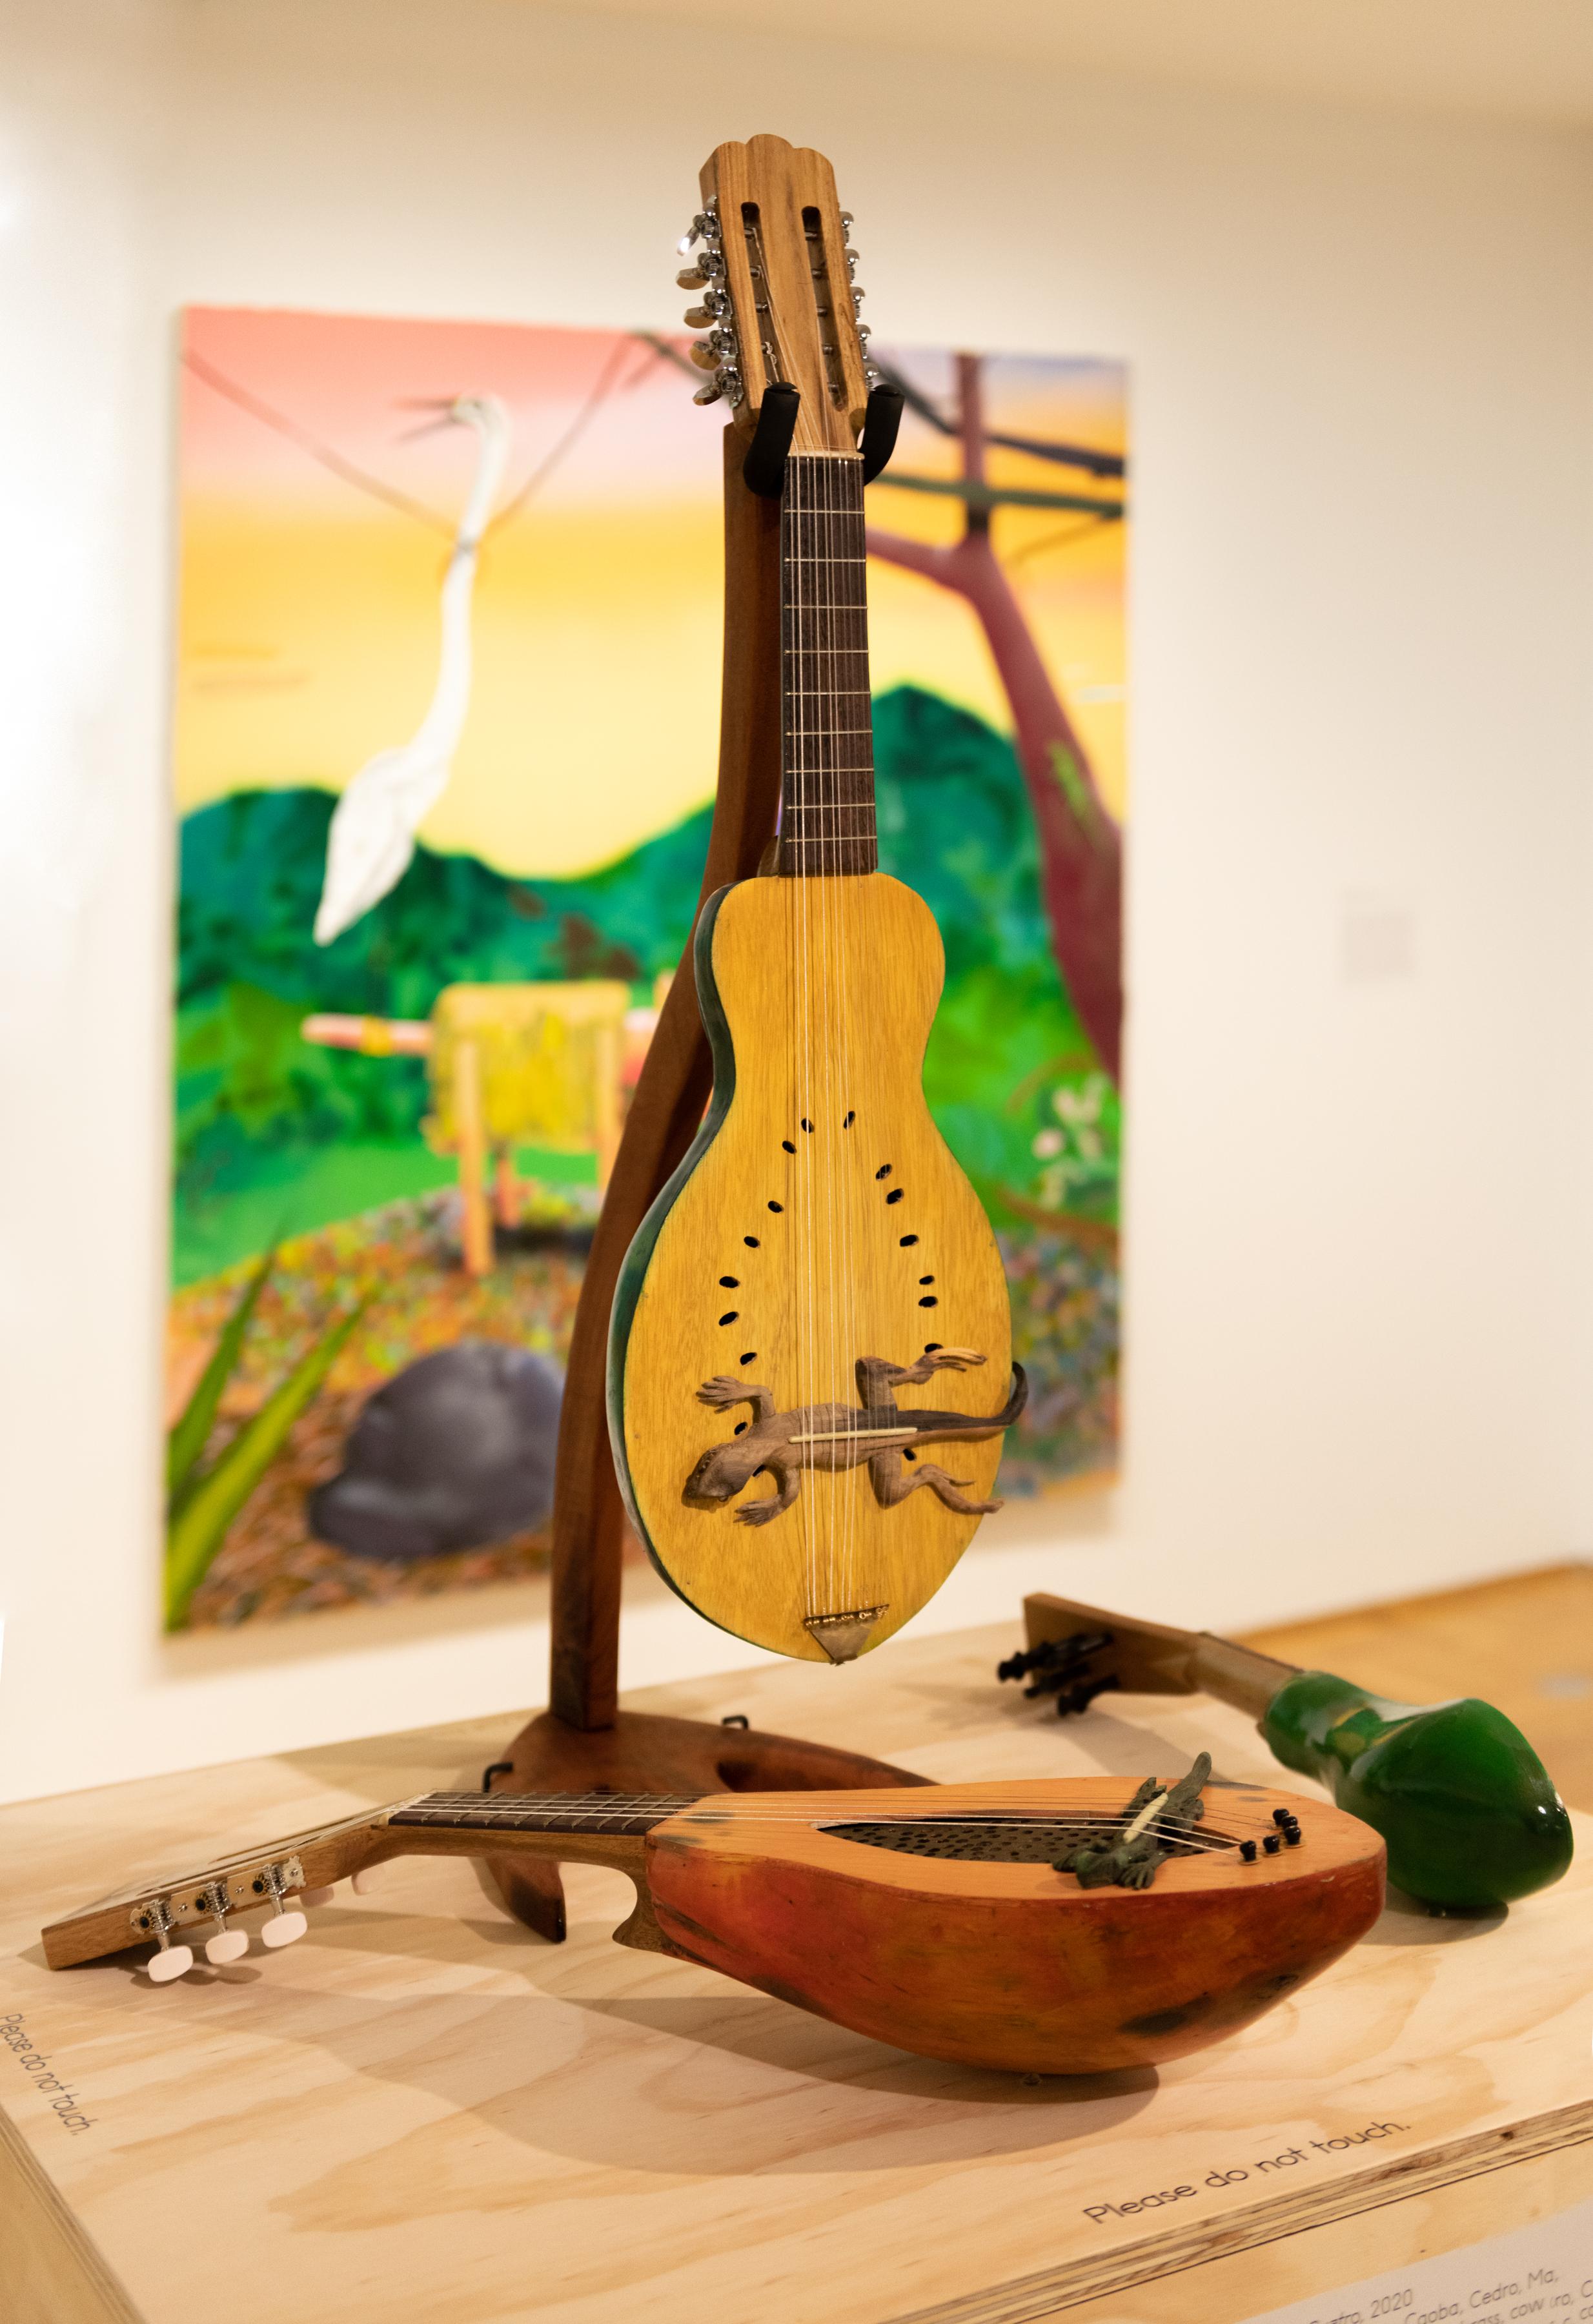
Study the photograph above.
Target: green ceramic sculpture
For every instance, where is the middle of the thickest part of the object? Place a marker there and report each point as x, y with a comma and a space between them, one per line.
1465, 1805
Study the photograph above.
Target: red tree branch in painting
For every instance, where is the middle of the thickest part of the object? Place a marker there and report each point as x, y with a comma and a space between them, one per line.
1081, 846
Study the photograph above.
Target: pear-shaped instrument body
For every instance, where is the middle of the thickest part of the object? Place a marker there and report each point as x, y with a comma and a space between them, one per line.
809, 1357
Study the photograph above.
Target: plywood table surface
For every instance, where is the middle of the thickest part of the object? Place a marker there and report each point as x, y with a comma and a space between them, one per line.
423, 2112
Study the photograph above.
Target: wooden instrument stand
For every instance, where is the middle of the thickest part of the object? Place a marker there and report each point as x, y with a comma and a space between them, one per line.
583, 1742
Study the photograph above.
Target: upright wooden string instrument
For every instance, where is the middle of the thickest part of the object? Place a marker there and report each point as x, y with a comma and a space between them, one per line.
809, 1353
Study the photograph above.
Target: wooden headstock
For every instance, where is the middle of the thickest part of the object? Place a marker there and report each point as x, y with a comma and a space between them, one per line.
769, 255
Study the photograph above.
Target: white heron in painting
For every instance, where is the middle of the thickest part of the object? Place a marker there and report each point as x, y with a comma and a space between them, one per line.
373, 825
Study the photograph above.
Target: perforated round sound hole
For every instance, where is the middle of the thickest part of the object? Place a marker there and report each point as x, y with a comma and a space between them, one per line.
1013, 1840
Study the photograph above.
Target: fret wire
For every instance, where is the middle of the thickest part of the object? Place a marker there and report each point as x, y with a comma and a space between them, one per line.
827, 811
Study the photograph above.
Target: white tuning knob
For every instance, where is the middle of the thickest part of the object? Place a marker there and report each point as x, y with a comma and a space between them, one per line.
226, 1944
316, 1896
369, 1877
169, 1960
284, 1928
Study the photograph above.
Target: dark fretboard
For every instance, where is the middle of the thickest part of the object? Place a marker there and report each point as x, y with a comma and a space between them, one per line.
827, 791
541, 1811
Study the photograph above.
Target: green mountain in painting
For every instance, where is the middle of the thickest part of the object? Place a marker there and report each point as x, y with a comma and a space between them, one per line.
274, 1134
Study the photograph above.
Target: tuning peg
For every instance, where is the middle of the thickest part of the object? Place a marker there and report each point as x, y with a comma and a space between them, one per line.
703, 227
710, 391
692, 277
705, 357
368, 1877
226, 1944
169, 1960
314, 1896
284, 1928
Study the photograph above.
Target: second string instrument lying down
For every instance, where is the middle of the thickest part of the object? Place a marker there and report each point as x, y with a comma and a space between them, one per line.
810, 1364
1048, 1928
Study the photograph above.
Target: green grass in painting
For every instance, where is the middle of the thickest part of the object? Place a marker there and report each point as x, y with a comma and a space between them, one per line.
276, 1138
203, 1502
293, 1190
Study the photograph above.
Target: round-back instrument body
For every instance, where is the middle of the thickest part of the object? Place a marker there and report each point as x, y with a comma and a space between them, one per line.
933, 1920
809, 1363
810, 1351
966, 1944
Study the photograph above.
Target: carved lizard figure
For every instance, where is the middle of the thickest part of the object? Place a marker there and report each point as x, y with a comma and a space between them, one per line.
1135, 1860
876, 1432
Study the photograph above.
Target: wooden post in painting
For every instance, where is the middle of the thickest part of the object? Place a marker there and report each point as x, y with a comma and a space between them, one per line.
475, 1223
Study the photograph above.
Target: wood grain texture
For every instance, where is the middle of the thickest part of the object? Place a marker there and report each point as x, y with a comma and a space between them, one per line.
778, 328
1153, 1659
788, 1254
1269, 2253
49, 2270
1012, 1966
588, 1516
423, 2112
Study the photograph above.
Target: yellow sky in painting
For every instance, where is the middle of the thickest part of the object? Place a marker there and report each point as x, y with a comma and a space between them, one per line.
308, 627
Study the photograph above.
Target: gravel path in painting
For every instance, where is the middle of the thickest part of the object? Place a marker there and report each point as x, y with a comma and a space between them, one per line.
1064, 1304
408, 1253
1065, 1334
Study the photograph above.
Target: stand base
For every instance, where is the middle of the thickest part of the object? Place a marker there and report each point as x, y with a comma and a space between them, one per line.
681, 1758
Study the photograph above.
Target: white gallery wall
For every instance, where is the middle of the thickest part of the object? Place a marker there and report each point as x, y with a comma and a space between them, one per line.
1361, 346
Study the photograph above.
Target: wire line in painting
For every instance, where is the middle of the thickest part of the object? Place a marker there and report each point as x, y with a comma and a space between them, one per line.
405, 503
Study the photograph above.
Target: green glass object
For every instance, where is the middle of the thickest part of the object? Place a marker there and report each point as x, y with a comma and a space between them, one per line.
1464, 1804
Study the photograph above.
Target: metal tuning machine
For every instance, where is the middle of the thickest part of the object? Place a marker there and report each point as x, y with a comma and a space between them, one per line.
870, 371
227, 1944
169, 1960
717, 353
283, 1927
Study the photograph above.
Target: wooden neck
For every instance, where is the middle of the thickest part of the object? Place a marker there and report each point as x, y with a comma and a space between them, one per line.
592, 1812
827, 791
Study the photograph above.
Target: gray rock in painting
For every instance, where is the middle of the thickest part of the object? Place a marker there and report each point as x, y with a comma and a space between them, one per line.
455, 1452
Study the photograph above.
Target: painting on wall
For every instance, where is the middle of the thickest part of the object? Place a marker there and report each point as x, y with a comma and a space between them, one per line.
446, 742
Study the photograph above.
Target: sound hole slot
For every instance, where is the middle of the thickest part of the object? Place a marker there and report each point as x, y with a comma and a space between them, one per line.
896, 1194
1022, 1839
824, 304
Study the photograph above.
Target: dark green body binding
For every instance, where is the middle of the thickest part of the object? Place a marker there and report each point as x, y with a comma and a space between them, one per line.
1466, 1808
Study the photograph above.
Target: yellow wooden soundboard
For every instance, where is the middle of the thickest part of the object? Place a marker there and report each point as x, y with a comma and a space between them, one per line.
420, 2112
